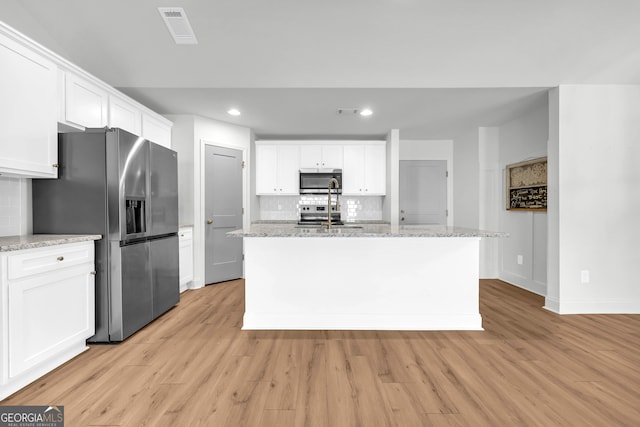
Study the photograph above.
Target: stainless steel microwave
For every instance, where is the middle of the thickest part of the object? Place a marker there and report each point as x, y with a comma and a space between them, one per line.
316, 181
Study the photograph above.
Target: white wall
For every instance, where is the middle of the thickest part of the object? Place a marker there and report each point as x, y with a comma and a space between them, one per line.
390, 207
596, 227
489, 183
479, 200
182, 137
190, 134
522, 139
553, 209
432, 150
465, 180
15, 206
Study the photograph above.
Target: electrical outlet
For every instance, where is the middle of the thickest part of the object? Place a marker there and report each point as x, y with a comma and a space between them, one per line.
520, 260
584, 276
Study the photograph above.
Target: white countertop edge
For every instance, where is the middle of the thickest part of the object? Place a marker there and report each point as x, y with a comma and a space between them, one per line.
16, 243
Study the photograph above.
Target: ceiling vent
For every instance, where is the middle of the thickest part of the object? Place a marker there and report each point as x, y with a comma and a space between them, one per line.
347, 111
176, 20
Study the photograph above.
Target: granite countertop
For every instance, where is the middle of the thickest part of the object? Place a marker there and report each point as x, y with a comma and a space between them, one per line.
16, 243
361, 230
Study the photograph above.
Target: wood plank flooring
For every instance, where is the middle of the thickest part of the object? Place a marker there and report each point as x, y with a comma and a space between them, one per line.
195, 367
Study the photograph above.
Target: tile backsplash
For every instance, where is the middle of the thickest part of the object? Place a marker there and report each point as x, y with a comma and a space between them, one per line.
287, 208
12, 193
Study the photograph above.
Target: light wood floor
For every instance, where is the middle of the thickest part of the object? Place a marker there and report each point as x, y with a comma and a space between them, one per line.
195, 367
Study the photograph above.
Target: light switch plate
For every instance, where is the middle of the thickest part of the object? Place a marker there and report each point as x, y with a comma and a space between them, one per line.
584, 276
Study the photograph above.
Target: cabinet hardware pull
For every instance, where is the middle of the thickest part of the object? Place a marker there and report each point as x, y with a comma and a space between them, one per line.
182, 235
209, 221
93, 273
60, 258
55, 165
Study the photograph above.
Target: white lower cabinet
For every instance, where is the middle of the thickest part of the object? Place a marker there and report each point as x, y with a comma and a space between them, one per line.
48, 303
185, 238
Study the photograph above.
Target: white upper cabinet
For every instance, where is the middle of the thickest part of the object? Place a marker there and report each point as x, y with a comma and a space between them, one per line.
156, 129
375, 169
124, 115
364, 171
277, 169
83, 104
42, 93
28, 107
320, 156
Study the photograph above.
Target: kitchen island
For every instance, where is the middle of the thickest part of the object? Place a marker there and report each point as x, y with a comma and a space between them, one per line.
374, 277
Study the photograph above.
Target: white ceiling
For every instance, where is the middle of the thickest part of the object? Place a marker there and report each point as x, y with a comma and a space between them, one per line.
430, 68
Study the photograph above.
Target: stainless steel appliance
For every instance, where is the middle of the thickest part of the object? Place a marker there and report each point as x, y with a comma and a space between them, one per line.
315, 181
317, 214
125, 188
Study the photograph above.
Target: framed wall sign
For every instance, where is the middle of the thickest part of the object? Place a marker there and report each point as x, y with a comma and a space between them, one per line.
527, 185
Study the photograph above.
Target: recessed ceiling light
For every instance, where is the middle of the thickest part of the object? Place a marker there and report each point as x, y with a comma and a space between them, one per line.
233, 112
366, 112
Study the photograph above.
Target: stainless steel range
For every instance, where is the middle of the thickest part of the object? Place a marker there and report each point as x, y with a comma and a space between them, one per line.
317, 214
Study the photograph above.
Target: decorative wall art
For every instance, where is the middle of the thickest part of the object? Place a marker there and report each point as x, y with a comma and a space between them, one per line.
527, 185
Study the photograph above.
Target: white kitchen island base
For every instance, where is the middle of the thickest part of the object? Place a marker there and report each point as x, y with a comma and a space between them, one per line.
357, 283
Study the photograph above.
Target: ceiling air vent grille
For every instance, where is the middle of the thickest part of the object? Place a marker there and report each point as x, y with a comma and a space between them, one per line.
176, 21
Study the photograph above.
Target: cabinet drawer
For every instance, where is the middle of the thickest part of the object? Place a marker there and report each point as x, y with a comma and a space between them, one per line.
43, 260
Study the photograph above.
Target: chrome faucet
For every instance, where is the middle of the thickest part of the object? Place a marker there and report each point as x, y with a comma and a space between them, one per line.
335, 184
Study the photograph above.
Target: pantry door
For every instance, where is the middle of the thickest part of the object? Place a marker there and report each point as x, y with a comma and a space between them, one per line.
223, 213
423, 192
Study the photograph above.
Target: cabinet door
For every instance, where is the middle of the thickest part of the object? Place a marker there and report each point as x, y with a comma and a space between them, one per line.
332, 156
185, 236
156, 130
310, 156
47, 314
28, 106
375, 166
85, 104
266, 169
124, 115
288, 170
353, 170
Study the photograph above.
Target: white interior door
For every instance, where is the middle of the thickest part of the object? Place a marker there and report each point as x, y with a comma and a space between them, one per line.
223, 213
423, 192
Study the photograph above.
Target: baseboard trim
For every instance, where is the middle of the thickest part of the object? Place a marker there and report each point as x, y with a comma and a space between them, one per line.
524, 283
394, 322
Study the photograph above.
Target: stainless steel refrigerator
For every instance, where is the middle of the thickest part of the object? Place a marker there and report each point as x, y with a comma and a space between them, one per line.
124, 187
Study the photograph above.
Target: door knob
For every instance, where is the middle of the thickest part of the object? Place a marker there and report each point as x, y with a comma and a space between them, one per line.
209, 221
402, 219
